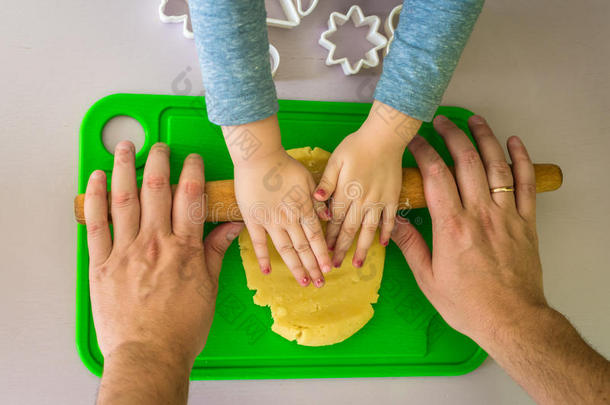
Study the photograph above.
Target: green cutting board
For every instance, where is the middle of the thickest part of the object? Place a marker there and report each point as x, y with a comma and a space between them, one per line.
405, 337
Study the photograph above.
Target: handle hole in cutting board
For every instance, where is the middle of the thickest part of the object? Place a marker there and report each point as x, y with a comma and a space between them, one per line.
122, 128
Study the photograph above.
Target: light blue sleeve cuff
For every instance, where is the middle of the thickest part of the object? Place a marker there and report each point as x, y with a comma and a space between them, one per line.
233, 49
427, 46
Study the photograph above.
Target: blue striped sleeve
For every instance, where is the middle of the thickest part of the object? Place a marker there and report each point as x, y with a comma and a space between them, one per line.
233, 49
427, 45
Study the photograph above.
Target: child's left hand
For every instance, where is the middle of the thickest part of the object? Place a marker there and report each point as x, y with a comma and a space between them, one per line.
364, 176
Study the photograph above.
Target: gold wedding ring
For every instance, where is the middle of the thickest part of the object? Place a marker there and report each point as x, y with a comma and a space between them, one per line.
508, 189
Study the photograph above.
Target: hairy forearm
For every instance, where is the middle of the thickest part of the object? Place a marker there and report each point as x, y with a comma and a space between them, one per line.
543, 352
253, 140
134, 374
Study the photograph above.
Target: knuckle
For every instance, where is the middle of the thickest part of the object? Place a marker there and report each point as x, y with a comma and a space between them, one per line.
192, 188
216, 248
469, 157
156, 182
285, 249
152, 249
96, 228
315, 235
500, 168
436, 168
350, 232
369, 227
302, 248
526, 188
259, 244
453, 224
406, 238
96, 192
121, 199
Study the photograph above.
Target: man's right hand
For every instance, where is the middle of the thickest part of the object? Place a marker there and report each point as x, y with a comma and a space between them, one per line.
485, 277
485, 270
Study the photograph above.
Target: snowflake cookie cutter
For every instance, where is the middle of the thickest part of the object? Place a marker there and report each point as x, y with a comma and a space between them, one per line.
371, 57
390, 26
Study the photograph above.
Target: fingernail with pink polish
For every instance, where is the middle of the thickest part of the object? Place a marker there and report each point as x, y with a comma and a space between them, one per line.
357, 263
385, 242
266, 270
319, 282
321, 192
305, 281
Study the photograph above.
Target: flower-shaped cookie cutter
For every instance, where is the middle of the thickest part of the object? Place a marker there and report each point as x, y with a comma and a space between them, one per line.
183, 16
371, 57
390, 26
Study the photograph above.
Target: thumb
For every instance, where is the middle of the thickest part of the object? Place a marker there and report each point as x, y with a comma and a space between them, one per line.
415, 250
328, 182
217, 243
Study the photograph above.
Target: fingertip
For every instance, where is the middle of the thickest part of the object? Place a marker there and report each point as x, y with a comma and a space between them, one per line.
234, 231
321, 195
98, 175
514, 141
124, 146
440, 119
477, 120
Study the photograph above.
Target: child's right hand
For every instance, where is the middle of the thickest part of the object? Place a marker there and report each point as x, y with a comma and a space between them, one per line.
274, 195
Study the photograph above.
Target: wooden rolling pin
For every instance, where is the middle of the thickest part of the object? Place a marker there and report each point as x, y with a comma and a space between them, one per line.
222, 206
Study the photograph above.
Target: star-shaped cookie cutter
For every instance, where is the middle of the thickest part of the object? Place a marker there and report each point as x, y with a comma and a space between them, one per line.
371, 57
390, 26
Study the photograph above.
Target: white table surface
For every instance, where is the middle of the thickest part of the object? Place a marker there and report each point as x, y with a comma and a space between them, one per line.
536, 69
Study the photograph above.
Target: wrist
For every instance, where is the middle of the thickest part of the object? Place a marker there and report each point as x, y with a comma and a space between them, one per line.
512, 325
149, 356
253, 141
390, 127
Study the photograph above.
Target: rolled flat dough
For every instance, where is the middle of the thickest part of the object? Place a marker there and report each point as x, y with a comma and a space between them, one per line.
315, 316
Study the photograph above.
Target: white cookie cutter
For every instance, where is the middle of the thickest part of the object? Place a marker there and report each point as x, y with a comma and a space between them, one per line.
184, 19
293, 18
390, 26
275, 59
293, 13
312, 6
176, 18
371, 57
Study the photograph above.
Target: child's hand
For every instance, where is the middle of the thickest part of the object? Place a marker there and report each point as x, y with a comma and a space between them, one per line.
274, 194
364, 176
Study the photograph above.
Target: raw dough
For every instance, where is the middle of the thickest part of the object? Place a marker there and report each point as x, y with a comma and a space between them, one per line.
315, 316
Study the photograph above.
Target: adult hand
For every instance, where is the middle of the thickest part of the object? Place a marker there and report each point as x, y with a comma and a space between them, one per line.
153, 288
364, 177
485, 271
